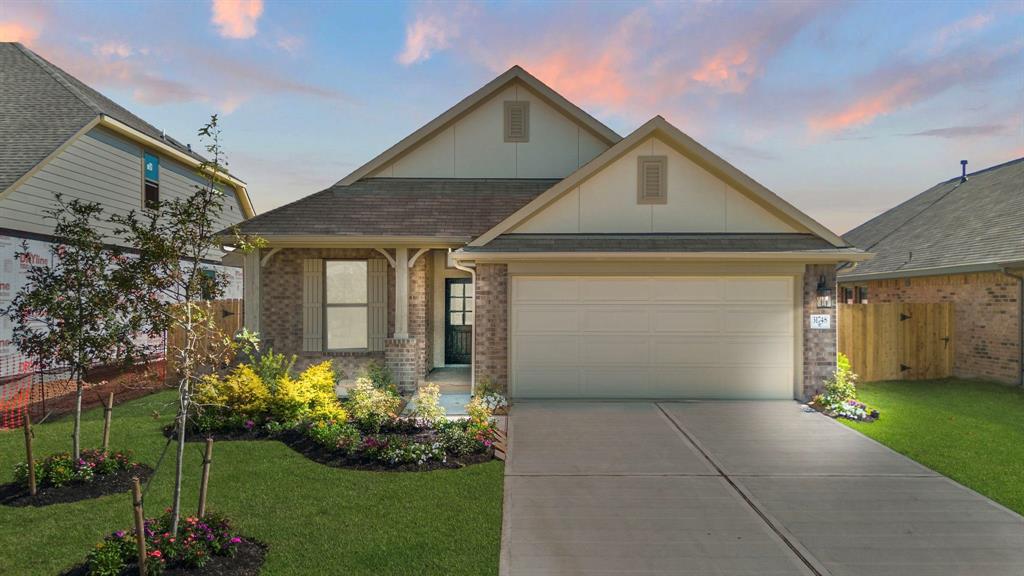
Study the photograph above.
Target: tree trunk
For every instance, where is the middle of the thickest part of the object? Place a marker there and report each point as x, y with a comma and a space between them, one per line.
76, 435
179, 461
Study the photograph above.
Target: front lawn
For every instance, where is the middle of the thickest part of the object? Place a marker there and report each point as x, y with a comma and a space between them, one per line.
971, 431
316, 519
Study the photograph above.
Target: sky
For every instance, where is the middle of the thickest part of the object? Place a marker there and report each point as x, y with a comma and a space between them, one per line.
843, 109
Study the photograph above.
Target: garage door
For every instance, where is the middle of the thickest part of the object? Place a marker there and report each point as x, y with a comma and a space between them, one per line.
590, 337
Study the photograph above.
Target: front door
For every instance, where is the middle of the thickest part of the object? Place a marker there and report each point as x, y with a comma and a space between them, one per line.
458, 321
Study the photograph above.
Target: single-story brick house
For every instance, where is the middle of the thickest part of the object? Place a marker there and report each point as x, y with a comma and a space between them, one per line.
517, 234
960, 241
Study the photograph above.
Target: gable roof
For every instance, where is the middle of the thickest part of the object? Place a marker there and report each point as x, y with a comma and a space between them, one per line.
469, 103
447, 209
953, 225
689, 148
43, 108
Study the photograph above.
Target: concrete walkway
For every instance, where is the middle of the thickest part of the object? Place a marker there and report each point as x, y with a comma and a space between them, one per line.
740, 488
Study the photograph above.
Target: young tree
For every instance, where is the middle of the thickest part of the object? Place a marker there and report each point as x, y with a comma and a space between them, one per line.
70, 312
173, 242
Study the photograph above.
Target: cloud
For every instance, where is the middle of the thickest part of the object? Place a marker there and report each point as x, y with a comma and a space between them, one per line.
11, 31
953, 132
113, 48
953, 33
427, 34
903, 84
236, 19
290, 44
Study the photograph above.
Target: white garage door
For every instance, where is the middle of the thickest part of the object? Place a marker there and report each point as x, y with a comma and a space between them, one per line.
692, 337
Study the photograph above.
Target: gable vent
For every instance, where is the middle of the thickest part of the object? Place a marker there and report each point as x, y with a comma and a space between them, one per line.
517, 121
652, 180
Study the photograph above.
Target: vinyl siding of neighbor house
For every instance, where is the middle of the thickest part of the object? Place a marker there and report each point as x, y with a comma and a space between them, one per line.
697, 201
100, 167
474, 145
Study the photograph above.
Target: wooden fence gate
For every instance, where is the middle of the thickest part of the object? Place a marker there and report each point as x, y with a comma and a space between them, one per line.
898, 341
227, 315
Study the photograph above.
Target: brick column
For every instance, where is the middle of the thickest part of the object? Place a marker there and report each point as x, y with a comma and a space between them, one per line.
410, 358
491, 339
819, 345
401, 354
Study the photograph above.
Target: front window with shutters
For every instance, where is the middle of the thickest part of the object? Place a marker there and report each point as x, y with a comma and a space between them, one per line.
346, 304
652, 180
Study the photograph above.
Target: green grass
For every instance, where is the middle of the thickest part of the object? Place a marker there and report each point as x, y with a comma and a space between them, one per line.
316, 519
972, 432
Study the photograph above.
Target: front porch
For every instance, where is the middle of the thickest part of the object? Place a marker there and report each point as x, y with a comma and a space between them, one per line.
455, 385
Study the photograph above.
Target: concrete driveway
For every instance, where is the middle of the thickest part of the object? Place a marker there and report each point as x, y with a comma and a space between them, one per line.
739, 488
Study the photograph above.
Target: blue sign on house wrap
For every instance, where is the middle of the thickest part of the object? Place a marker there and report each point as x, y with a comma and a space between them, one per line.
152, 165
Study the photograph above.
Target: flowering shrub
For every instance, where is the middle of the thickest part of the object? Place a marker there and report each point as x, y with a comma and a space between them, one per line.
494, 401
243, 392
198, 540
458, 439
334, 434
62, 469
413, 453
370, 406
428, 411
854, 410
840, 396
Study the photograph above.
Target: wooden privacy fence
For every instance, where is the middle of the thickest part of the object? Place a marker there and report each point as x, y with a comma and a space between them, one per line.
227, 317
898, 341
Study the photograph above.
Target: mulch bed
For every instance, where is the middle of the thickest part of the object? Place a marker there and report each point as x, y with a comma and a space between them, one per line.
303, 445
16, 495
247, 561
835, 416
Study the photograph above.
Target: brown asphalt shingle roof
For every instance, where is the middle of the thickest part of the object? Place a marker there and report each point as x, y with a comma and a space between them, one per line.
438, 207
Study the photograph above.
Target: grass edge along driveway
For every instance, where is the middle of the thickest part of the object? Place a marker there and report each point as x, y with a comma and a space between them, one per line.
968, 430
316, 519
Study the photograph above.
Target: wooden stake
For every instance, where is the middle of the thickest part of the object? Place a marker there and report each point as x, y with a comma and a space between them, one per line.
140, 524
28, 454
108, 410
207, 458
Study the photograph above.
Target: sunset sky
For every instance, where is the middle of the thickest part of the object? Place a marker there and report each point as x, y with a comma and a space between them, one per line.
843, 109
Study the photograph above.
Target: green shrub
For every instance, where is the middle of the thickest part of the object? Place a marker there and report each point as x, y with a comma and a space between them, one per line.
380, 376
242, 392
428, 410
109, 557
271, 368
334, 435
61, 469
456, 439
311, 396
841, 386
370, 406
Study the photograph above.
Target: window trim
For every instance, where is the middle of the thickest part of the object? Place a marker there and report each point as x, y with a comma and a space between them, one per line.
525, 106
325, 305
641, 196
145, 181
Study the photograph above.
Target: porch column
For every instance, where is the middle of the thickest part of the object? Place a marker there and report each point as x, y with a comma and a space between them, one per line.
401, 293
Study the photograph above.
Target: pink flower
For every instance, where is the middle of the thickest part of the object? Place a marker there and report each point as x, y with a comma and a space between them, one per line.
236, 540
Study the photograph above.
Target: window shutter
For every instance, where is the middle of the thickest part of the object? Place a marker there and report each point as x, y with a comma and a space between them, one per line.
312, 305
517, 121
377, 300
652, 180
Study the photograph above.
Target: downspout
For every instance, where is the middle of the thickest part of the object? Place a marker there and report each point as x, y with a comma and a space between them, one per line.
1020, 323
471, 268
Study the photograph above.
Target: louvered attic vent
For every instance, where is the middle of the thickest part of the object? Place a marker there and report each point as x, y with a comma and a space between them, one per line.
652, 176
517, 121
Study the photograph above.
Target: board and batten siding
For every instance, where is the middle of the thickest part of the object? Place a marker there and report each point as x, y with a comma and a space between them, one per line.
697, 202
474, 145
102, 167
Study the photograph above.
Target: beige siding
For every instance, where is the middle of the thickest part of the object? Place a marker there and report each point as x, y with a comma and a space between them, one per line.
474, 145
698, 201
99, 167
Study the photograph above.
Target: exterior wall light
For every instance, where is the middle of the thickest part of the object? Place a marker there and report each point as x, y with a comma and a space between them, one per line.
824, 293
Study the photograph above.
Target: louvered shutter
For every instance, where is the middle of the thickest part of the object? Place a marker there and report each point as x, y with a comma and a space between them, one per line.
517, 121
652, 177
377, 300
312, 305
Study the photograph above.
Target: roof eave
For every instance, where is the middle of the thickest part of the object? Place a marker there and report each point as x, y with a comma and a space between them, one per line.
933, 271
817, 257
338, 241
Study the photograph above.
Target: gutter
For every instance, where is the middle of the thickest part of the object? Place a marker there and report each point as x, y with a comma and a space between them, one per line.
471, 268
796, 256
934, 271
1020, 322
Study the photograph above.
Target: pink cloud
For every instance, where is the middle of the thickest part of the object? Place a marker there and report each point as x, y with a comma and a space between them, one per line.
236, 18
11, 31
729, 70
952, 33
113, 48
427, 34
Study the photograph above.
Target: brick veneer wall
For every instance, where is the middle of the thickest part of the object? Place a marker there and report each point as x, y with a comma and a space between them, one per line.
491, 338
986, 318
819, 345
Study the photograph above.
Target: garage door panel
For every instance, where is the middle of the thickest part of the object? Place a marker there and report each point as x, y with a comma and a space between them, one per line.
548, 382
758, 289
618, 382
609, 319
758, 351
546, 350
545, 319
758, 320
615, 290
685, 350
756, 382
694, 319
614, 349
697, 381
545, 290
686, 290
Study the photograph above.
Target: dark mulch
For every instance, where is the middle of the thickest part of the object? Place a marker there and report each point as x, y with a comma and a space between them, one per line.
247, 561
14, 494
303, 445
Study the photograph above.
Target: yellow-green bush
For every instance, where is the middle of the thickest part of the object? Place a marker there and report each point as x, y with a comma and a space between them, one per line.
371, 407
310, 396
242, 391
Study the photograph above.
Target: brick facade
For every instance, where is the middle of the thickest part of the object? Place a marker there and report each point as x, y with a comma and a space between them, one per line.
491, 340
281, 311
820, 346
986, 318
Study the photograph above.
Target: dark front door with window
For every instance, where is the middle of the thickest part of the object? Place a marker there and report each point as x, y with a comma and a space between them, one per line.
458, 323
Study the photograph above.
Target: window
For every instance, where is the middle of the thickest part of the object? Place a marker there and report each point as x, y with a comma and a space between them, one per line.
460, 304
150, 180
652, 180
345, 304
517, 121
